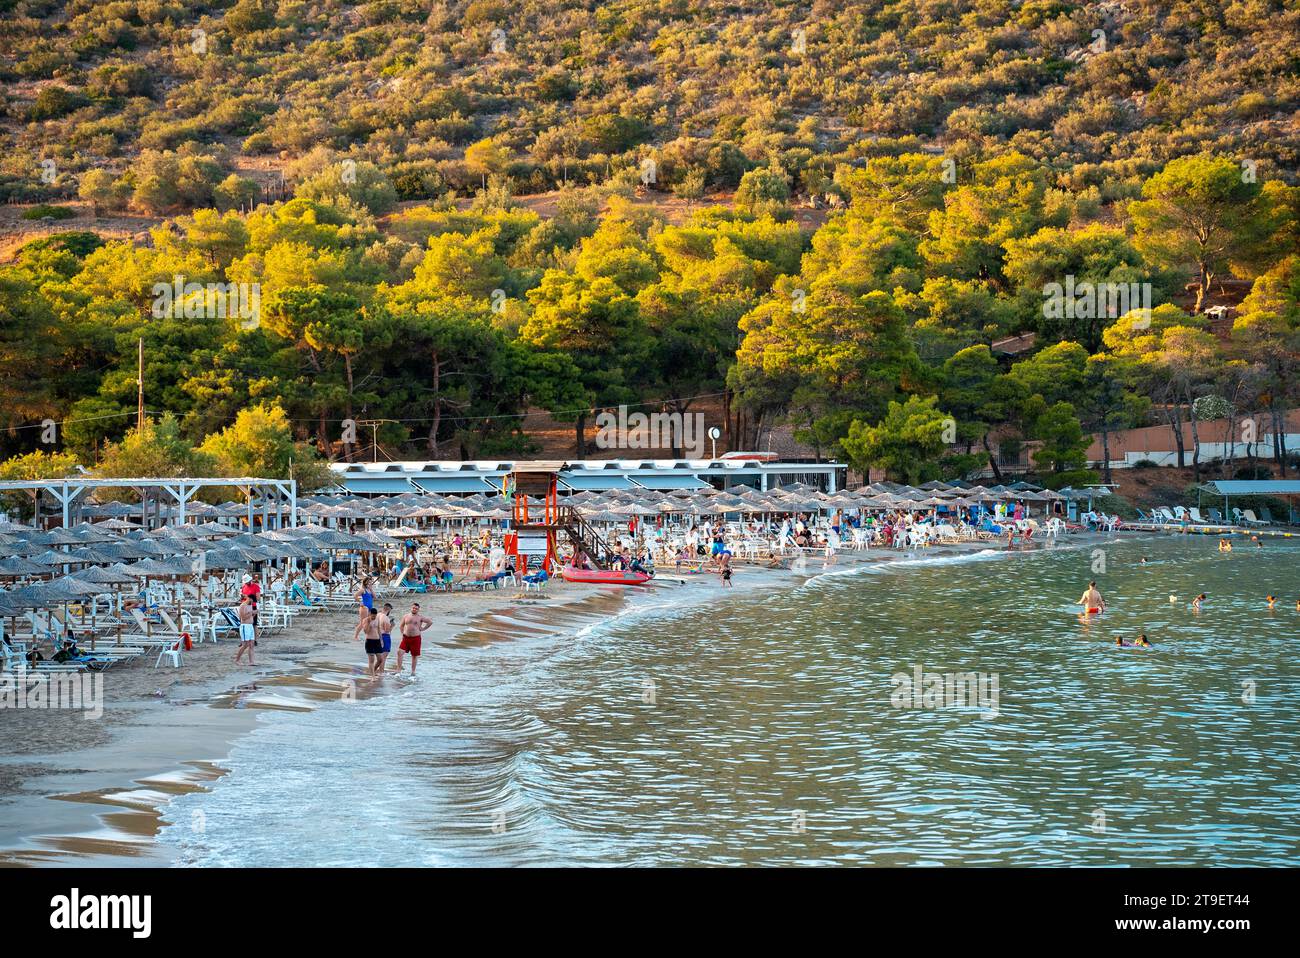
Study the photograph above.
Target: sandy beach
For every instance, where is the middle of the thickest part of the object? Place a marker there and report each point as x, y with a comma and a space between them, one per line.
84, 790
87, 792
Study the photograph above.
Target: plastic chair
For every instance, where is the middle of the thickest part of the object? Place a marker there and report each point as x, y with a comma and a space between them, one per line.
171, 652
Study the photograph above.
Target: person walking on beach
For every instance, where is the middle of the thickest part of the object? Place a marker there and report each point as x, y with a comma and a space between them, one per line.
252, 589
1092, 600
247, 630
385, 635
366, 595
832, 543
374, 646
413, 625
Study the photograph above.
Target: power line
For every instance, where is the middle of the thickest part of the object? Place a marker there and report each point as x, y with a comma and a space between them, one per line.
64, 422
524, 415
315, 420
418, 419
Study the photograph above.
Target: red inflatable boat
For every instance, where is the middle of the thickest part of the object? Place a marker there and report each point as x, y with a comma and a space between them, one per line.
603, 576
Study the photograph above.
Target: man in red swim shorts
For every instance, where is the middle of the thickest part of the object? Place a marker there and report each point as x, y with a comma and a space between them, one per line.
1092, 601
412, 626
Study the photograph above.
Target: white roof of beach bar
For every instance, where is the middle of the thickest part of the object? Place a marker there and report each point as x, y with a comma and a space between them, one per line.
445, 477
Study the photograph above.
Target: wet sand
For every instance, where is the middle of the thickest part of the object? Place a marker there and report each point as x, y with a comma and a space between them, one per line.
87, 792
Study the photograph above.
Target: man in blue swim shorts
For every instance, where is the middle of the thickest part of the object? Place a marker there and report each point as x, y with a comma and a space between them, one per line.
385, 635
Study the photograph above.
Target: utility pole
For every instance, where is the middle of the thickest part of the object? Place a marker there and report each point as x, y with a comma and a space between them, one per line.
374, 425
139, 384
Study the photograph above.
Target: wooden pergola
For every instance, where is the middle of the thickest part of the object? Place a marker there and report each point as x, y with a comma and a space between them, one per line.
259, 494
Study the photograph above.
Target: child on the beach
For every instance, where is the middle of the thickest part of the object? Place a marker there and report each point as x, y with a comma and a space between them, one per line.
724, 568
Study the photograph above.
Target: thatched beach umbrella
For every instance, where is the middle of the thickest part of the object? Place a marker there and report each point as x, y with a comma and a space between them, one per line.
20, 566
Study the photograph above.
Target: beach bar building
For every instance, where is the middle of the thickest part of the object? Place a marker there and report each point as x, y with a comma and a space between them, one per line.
442, 477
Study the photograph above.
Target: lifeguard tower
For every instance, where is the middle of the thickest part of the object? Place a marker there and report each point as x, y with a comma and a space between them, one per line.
535, 527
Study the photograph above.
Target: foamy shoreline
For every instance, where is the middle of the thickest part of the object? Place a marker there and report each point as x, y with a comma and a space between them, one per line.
80, 792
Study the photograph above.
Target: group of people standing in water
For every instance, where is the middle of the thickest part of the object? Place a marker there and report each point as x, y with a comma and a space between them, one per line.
376, 624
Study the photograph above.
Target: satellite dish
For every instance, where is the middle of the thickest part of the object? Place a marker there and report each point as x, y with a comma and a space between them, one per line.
715, 433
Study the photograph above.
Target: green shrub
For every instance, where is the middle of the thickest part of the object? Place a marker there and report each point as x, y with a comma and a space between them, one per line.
53, 102
45, 211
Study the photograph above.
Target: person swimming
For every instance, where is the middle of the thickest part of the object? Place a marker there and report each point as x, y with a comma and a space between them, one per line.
1196, 603
1272, 601
1225, 545
1142, 561
1142, 641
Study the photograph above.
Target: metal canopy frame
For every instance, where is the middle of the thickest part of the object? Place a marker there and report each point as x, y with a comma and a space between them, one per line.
181, 489
1230, 489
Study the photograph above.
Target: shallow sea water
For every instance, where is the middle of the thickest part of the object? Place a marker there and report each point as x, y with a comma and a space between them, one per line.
765, 728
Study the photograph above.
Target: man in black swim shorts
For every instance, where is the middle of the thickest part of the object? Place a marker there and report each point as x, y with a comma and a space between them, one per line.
374, 645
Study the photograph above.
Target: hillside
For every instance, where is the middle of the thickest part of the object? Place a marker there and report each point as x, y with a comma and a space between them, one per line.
922, 236
440, 96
